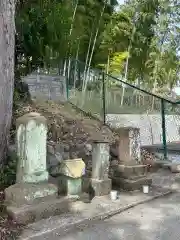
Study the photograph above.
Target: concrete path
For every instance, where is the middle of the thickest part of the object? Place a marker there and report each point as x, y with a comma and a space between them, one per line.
157, 220
102, 207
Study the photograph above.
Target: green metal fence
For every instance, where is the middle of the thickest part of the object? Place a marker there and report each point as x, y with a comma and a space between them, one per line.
104, 96
85, 89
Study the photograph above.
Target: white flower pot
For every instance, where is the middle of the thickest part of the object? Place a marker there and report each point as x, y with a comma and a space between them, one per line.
113, 195
145, 189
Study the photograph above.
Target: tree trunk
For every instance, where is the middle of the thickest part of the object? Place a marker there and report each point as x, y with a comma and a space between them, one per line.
7, 32
86, 62
92, 52
69, 43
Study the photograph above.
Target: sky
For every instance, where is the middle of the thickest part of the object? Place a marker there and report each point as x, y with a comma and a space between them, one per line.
120, 1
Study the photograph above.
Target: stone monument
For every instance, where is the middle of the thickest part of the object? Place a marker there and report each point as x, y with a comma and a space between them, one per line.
31, 149
70, 174
99, 182
130, 174
32, 197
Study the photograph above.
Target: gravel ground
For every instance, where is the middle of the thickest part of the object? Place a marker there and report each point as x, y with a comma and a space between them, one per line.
157, 220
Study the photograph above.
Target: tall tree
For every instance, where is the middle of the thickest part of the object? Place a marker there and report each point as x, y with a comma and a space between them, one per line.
131, 29
164, 57
7, 26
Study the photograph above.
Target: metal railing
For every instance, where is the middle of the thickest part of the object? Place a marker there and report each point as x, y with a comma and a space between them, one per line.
115, 101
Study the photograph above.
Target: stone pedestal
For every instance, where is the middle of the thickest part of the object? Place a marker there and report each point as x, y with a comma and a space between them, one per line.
97, 187
70, 174
70, 186
32, 197
130, 174
100, 183
131, 177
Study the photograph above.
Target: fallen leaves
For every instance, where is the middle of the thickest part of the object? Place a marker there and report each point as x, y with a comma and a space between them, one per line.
9, 229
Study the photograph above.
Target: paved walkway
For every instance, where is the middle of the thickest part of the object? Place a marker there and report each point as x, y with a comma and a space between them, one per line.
157, 220
100, 206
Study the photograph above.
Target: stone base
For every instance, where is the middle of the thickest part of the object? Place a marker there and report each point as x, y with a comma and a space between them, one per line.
20, 194
32, 178
131, 185
70, 186
97, 187
27, 203
129, 172
37, 211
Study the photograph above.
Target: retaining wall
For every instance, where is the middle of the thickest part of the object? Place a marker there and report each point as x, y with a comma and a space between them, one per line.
150, 126
47, 87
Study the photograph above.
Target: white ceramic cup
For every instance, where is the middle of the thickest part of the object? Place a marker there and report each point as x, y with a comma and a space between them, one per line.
113, 195
145, 189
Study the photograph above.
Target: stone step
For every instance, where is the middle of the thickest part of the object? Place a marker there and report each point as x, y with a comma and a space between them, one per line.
129, 171
136, 177
131, 185
34, 212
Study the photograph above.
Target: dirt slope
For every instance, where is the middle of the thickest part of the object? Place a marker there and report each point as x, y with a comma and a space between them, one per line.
70, 127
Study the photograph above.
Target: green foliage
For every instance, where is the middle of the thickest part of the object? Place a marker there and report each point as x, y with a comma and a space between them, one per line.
163, 58
48, 32
42, 29
116, 62
8, 172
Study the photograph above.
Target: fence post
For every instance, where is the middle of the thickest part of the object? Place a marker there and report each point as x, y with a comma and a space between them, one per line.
104, 98
67, 79
67, 87
163, 122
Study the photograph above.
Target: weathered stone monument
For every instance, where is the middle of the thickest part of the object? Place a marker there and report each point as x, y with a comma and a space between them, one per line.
69, 174
130, 174
99, 182
129, 146
32, 197
31, 148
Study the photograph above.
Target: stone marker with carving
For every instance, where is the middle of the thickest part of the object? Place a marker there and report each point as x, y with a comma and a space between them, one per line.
130, 174
32, 197
99, 183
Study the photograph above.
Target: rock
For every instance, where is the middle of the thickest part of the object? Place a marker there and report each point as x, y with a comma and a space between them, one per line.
111, 172
73, 155
59, 151
114, 163
56, 153
58, 147
50, 149
59, 157
89, 147
175, 167
53, 160
114, 150
66, 147
12, 152
147, 157
85, 197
